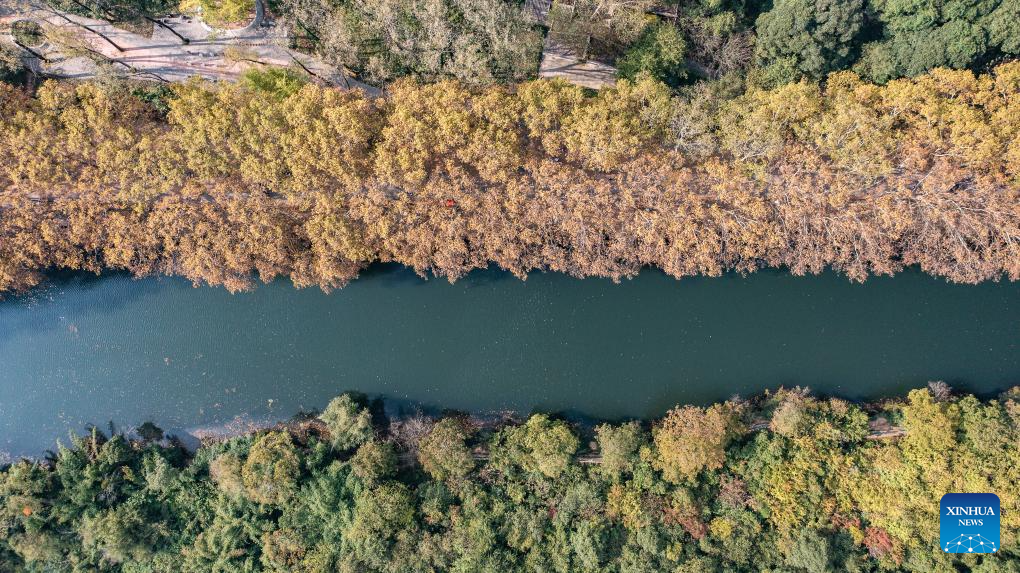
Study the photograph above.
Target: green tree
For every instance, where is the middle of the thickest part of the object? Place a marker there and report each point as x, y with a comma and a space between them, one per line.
659, 52
349, 423
374, 461
271, 470
160, 476
541, 445
121, 534
810, 552
27, 33
10, 62
150, 432
618, 447
919, 36
230, 537
810, 38
322, 512
382, 518
27, 518
279, 83
444, 453
222, 12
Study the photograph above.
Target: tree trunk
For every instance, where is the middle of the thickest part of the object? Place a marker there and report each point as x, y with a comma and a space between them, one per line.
110, 16
315, 75
31, 51
307, 30
90, 29
167, 28
99, 54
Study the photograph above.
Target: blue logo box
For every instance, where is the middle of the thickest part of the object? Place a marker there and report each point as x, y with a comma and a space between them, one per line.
969, 523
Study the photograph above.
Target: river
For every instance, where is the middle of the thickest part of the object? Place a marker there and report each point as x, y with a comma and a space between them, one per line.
86, 350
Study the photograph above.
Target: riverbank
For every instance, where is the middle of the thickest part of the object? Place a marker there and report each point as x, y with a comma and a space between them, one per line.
394, 422
697, 487
397, 420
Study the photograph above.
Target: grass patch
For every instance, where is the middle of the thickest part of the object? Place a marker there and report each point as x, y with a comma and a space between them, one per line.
221, 12
28, 33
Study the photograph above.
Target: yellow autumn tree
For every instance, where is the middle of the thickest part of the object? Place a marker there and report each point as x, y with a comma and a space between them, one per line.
690, 439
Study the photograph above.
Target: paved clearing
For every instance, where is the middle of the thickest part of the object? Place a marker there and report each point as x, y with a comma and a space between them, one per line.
558, 61
164, 56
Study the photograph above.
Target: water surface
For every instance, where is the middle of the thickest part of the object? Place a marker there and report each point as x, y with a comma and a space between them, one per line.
87, 350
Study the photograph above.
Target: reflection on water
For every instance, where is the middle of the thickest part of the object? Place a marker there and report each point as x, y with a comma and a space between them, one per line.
87, 350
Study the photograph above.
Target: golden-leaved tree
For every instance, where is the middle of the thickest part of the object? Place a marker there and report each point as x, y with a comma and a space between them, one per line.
236, 183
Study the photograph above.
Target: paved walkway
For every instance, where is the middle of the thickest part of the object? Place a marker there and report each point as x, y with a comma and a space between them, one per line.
164, 56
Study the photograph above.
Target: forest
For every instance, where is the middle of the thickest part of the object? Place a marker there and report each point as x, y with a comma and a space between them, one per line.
782, 482
228, 184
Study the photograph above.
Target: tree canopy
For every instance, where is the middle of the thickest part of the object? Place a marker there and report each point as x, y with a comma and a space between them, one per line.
811, 494
479, 42
348, 422
811, 38
920, 36
229, 184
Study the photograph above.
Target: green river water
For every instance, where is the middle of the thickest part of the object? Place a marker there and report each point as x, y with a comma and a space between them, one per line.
85, 350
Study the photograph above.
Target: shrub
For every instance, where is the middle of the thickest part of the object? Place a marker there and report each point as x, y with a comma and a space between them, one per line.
279, 83
659, 53
222, 12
